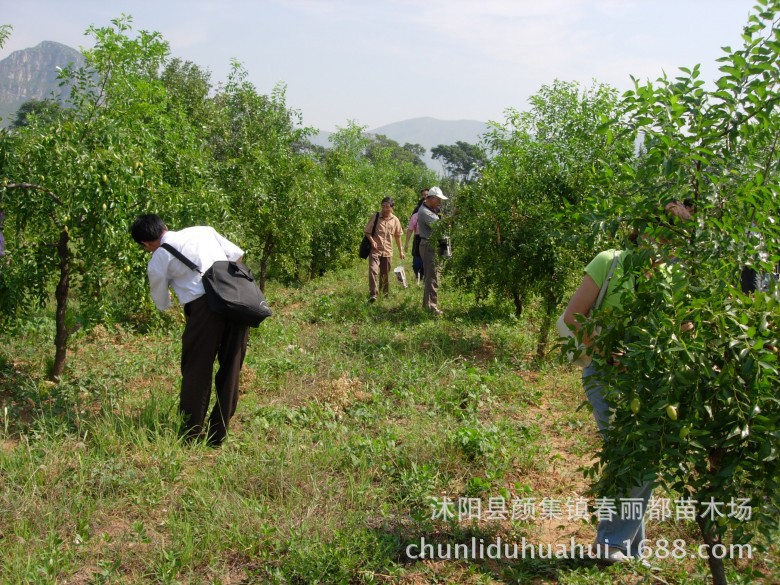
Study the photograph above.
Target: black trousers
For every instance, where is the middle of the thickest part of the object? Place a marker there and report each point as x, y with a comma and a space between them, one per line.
208, 336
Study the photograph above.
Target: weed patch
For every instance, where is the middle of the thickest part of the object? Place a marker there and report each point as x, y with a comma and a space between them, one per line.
354, 420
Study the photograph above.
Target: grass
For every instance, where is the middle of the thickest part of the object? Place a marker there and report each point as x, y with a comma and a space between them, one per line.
352, 417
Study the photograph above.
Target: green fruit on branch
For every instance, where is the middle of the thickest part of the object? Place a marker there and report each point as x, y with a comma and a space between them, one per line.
635, 405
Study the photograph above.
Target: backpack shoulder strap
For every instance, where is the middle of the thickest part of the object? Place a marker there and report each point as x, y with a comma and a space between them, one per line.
605, 284
376, 221
181, 257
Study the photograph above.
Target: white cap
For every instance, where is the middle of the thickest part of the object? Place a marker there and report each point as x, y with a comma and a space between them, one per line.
436, 192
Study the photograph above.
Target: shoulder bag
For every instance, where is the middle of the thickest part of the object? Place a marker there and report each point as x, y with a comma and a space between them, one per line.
365, 244
231, 291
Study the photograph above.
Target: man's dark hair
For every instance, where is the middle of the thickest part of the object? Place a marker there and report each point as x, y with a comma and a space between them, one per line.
147, 228
389, 200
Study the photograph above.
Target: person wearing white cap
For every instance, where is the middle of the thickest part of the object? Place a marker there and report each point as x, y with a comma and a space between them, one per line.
427, 216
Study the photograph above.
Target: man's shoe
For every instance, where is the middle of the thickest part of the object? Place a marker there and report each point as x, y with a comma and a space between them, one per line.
437, 312
372, 299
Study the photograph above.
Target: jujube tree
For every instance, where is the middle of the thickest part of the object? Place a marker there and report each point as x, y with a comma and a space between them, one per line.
695, 393
72, 183
515, 228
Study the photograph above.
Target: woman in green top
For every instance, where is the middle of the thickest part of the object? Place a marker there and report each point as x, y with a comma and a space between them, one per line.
618, 539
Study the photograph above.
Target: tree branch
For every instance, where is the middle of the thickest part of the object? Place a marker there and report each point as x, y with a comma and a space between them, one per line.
34, 187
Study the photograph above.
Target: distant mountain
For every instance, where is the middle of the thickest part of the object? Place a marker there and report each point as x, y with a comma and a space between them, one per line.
427, 132
32, 74
430, 132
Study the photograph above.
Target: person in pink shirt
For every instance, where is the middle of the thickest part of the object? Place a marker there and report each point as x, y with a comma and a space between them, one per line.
411, 229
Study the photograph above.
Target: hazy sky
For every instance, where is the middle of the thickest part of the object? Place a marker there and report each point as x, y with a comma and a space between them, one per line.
383, 61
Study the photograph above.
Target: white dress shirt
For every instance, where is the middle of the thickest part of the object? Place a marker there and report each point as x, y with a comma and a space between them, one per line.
203, 246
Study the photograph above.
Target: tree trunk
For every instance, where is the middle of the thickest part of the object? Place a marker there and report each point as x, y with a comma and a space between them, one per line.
544, 332
268, 248
518, 300
61, 296
717, 569
263, 269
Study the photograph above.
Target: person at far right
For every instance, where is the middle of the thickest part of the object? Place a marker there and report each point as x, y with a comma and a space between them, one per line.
427, 216
613, 534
